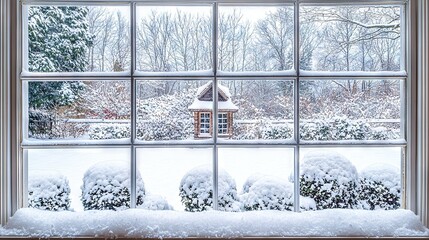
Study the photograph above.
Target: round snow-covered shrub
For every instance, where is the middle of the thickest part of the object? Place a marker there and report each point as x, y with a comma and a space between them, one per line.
251, 180
268, 193
106, 186
48, 191
330, 179
196, 190
380, 188
109, 131
155, 202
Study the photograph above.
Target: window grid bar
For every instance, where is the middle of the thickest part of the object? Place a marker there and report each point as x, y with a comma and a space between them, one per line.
215, 19
133, 106
297, 136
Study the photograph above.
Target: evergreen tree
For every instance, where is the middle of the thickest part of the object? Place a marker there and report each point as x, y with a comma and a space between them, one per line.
57, 40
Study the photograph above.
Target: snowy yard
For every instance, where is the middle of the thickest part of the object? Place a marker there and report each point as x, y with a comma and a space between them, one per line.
162, 224
163, 169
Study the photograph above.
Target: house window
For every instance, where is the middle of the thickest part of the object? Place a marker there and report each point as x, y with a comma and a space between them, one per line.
205, 123
148, 87
222, 123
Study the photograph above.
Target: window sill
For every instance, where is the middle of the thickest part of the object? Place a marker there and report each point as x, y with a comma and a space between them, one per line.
172, 224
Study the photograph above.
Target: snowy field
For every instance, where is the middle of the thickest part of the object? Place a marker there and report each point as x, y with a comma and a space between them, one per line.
163, 224
163, 168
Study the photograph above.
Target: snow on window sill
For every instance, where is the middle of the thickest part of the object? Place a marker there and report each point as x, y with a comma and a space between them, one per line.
162, 224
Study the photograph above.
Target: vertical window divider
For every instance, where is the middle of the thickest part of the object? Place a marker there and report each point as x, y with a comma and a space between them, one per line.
296, 108
133, 101
215, 18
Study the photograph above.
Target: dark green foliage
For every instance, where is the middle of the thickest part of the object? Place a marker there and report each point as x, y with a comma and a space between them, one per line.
376, 195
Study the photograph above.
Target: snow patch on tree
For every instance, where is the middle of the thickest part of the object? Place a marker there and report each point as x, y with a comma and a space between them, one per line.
196, 190
380, 187
106, 186
48, 191
330, 179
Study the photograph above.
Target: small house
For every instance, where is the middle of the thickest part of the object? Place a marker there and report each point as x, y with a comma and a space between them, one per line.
202, 109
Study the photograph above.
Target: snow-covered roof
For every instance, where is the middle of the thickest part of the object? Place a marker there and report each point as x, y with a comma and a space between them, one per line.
199, 105
204, 105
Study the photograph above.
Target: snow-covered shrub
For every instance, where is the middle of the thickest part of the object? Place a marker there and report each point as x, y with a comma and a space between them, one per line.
268, 193
106, 186
48, 191
277, 131
251, 180
318, 130
307, 204
381, 133
346, 129
40, 123
109, 131
155, 202
165, 129
330, 179
380, 188
196, 190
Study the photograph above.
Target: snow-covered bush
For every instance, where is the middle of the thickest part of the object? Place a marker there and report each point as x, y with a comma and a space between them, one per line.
48, 191
346, 129
165, 129
40, 123
109, 131
268, 193
330, 179
196, 190
106, 186
155, 202
318, 130
380, 188
277, 131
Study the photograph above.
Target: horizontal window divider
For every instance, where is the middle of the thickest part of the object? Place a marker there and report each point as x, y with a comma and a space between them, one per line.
289, 142
253, 78
352, 74
203, 73
172, 78
353, 3
78, 2
66, 79
26, 74
71, 146
286, 73
159, 2
355, 143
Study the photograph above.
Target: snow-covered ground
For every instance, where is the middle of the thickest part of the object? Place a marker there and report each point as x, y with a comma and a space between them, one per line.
162, 224
163, 168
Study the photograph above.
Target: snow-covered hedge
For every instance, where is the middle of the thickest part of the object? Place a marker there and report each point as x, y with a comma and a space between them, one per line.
380, 188
262, 129
109, 131
341, 128
330, 179
106, 186
196, 190
166, 128
48, 191
267, 193
155, 202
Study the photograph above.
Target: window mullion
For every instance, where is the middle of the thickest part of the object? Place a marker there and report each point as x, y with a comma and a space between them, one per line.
133, 107
296, 108
215, 104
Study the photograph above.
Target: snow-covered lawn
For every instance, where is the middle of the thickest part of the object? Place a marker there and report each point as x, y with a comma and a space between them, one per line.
161, 224
163, 168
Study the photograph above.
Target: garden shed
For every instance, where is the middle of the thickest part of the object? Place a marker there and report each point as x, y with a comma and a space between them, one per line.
202, 109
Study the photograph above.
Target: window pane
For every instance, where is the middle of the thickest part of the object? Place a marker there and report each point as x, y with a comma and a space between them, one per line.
78, 39
260, 110
79, 179
171, 39
79, 110
165, 110
179, 178
255, 38
350, 109
350, 38
359, 178
262, 176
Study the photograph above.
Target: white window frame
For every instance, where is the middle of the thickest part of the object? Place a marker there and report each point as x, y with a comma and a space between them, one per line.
12, 165
222, 116
205, 116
